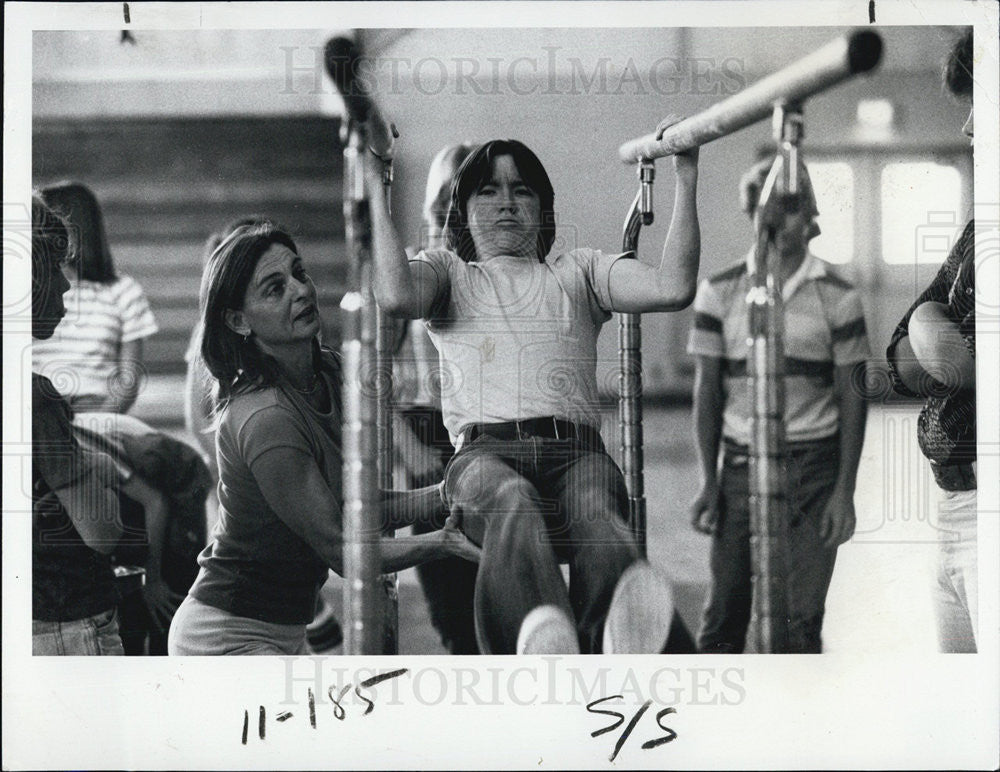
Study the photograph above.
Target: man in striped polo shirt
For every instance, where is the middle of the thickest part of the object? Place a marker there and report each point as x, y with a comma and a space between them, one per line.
826, 346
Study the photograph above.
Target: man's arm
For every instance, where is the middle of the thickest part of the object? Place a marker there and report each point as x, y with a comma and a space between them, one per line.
709, 402
937, 343
838, 522
637, 287
91, 501
84, 482
402, 288
909, 375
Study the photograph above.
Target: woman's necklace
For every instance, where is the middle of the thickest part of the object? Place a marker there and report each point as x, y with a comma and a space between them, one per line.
311, 388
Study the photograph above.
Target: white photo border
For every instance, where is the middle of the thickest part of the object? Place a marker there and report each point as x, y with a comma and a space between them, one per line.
843, 711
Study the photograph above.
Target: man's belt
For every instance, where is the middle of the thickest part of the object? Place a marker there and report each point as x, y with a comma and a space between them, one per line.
548, 427
740, 452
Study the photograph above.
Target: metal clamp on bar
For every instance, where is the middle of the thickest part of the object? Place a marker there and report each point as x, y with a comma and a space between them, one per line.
647, 173
835, 62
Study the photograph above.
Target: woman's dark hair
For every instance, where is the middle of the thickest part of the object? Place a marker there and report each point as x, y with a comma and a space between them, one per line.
476, 171
958, 69
236, 363
78, 206
213, 241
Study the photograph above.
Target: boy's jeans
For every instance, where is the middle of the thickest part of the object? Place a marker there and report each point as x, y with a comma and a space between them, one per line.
96, 635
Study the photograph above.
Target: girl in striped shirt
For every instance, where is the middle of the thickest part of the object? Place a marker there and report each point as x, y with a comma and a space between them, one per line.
95, 357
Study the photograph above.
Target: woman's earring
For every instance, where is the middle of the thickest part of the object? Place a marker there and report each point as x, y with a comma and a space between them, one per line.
246, 337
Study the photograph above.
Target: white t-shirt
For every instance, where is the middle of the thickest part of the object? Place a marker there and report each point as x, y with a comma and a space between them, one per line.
517, 338
415, 370
81, 358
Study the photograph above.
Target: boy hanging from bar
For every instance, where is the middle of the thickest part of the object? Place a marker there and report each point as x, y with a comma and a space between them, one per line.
516, 329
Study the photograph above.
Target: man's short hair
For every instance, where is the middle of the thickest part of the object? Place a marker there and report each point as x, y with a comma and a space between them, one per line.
49, 237
752, 183
958, 68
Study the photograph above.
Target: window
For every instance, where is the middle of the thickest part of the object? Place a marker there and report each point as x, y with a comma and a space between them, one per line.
833, 183
921, 210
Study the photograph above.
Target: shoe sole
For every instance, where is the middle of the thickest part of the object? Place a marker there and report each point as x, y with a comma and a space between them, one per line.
641, 611
547, 630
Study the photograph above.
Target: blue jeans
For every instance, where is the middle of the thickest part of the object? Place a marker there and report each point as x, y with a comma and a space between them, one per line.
955, 591
96, 635
812, 471
449, 584
531, 504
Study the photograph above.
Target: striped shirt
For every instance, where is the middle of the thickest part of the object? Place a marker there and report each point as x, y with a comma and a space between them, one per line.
824, 328
82, 357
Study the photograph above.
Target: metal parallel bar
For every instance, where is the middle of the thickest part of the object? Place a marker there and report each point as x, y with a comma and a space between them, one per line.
384, 347
365, 598
780, 195
630, 379
835, 62
630, 420
383, 367
768, 520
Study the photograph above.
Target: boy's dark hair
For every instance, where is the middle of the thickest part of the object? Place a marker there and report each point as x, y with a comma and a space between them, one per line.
958, 69
476, 171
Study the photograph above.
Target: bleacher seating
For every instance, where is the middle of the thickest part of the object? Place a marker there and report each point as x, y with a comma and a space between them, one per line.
165, 184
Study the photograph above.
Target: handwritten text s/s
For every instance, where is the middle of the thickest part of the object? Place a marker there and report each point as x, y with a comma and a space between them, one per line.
620, 719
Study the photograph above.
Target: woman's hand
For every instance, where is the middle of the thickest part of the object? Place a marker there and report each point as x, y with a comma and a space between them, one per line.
456, 542
686, 162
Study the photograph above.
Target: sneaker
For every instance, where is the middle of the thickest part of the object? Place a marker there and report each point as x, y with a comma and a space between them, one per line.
640, 614
547, 630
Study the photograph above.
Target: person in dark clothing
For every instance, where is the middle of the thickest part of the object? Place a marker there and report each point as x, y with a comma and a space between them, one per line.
165, 483
75, 522
932, 354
